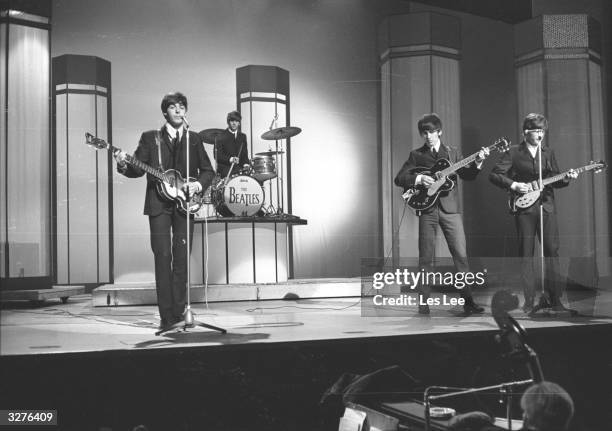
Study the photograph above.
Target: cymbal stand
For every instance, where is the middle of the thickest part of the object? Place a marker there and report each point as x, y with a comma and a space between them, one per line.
270, 209
188, 320
281, 209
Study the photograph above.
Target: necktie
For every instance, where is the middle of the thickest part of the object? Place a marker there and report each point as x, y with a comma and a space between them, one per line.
434, 153
176, 139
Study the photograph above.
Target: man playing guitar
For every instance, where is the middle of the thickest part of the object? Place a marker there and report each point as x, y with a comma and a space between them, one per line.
165, 149
445, 213
514, 172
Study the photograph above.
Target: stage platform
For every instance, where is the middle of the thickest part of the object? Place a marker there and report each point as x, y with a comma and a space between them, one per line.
80, 326
145, 294
103, 367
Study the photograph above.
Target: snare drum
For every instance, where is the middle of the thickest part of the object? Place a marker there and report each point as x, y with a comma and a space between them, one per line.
263, 168
242, 196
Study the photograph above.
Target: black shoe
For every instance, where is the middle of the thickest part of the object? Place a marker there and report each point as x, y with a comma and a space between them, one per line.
472, 308
560, 308
424, 309
528, 306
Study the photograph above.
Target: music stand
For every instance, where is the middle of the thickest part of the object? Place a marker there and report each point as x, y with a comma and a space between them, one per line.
188, 320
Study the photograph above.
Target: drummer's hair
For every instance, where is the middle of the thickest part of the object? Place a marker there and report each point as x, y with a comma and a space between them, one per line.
173, 98
429, 123
234, 115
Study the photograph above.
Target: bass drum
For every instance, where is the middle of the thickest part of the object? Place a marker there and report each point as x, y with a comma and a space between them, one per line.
242, 196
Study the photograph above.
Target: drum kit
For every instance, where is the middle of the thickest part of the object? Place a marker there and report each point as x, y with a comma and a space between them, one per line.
242, 194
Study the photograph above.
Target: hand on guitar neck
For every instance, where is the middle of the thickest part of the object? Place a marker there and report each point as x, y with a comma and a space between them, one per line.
121, 158
522, 188
171, 185
433, 184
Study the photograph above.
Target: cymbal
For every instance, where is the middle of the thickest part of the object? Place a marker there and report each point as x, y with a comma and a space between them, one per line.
210, 135
281, 133
269, 153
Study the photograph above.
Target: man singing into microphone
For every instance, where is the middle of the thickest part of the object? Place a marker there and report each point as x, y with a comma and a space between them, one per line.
165, 149
514, 171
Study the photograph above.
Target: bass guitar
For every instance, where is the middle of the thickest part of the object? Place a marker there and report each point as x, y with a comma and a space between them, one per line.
420, 198
169, 183
520, 201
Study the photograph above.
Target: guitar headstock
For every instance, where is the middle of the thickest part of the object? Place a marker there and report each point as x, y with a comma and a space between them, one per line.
598, 166
97, 143
501, 144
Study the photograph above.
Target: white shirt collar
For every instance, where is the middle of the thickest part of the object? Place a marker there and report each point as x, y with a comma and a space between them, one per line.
172, 131
435, 147
533, 150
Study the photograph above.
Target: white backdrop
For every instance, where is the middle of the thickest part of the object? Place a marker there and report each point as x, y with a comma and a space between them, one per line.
329, 48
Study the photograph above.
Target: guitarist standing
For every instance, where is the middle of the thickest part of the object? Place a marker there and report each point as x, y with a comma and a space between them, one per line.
515, 171
168, 225
445, 213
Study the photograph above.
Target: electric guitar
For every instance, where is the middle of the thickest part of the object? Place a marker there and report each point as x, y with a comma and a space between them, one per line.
170, 183
420, 198
518, 201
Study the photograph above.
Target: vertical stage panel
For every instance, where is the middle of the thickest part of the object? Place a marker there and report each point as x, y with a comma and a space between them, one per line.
558, 67
263, 98
240, 253
262, 94
214, 247
25, 200
419, 66
83, 204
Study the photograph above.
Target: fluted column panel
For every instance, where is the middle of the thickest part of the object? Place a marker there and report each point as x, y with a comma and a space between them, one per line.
558, 69
419, 67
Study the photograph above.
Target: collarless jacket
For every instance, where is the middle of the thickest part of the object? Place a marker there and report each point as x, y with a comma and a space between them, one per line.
517, 165
228, 146
173, 157
423, 158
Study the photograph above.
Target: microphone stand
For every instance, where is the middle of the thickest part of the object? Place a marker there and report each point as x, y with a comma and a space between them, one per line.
188, 320
544, 302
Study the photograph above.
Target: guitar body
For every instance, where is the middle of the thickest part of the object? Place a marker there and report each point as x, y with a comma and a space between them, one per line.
518, 202
171, 189
420, 198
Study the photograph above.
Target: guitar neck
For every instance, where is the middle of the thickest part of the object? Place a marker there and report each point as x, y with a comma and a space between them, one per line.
141, 165
562, 175
461, 163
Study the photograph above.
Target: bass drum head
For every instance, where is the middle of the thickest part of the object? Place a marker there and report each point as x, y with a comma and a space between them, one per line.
242, 196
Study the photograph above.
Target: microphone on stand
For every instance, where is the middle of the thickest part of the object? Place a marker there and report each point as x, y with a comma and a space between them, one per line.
273, 120
185, 122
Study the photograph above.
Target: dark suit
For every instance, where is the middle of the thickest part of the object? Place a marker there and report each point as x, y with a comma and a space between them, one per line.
517, 165
169, 250
446, 213
228, 146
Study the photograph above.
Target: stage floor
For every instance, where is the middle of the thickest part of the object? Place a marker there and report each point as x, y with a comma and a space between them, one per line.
79, 327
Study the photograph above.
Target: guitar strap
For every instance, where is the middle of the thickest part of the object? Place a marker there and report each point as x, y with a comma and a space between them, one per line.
158, 143
448, 150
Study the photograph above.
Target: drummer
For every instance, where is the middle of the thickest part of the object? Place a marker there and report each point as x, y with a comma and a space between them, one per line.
232, 147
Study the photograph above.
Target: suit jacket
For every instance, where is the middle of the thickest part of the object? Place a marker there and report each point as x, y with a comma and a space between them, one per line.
172, 158
517, 165
228, 147
422, 157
